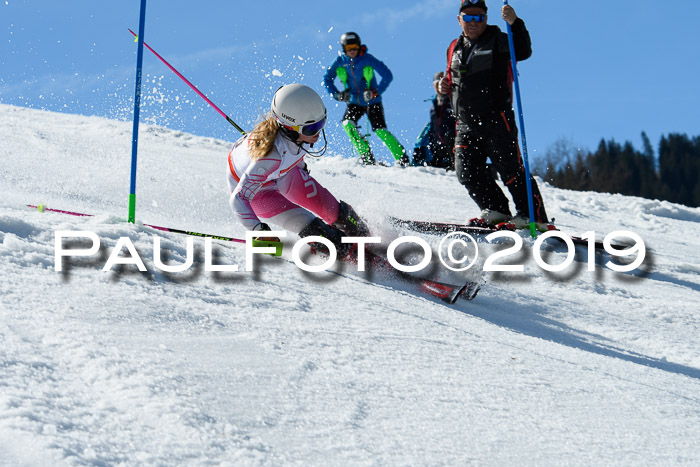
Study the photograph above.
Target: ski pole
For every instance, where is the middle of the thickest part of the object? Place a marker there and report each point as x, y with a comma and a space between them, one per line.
194, 88
528, 183
42, 208
256, 243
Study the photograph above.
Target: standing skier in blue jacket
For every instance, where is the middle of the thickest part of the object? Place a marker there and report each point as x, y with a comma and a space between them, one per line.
357, 70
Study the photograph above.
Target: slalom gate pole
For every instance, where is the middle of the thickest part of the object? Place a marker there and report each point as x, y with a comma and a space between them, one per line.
194, 88
528, 183
137, 108
42, 208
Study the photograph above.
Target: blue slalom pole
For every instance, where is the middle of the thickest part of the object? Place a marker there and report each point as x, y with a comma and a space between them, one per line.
528, 184
137, 108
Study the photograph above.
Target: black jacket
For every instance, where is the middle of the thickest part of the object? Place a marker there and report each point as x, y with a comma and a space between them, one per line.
480, 72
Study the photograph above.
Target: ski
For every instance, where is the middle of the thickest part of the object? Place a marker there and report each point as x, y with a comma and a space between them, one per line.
448, 293
444, 228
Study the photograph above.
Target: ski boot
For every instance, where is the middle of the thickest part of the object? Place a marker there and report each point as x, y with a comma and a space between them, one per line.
488, 219
345, 251
523, 222
350, 222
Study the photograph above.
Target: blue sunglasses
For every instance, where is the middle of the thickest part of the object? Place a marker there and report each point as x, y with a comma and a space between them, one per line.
470, 18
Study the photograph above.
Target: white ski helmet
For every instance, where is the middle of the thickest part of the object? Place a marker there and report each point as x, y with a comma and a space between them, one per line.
299, 108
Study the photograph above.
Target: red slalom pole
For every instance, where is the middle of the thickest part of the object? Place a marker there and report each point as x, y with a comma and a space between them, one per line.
42, 208
194, 88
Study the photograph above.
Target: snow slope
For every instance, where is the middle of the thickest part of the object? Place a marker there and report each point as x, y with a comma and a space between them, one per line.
281, 367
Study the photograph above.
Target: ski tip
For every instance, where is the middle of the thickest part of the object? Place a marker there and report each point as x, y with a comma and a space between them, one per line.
449, 293
437, 289
452, 298
471, 290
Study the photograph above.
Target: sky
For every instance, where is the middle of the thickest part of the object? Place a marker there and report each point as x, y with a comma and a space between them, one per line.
600, 69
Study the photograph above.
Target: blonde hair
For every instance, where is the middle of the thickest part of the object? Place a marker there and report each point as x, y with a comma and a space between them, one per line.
262, 138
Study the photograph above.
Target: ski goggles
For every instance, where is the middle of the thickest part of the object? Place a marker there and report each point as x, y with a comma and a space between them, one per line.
350, 47
312, 129
470, 18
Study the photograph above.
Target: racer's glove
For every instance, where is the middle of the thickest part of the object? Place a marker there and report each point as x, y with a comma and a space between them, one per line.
369, 94
263, 227
342, 96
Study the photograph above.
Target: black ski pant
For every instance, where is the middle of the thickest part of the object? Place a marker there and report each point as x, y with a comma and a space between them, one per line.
375, 112
494, 136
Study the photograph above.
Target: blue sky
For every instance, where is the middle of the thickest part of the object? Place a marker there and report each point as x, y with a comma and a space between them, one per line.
600, 69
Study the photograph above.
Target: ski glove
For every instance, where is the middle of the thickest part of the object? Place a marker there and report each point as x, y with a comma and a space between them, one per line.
343, 96
369, 95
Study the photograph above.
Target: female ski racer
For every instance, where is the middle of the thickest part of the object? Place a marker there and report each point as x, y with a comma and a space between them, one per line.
269, 182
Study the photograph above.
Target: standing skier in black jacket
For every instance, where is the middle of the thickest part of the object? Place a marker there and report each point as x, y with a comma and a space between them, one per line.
479, 79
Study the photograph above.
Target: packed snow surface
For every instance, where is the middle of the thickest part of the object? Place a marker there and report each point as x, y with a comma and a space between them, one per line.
283, 367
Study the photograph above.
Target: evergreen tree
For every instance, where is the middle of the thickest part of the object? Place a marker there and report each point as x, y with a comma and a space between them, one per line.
649, 183
679, 169
620, 168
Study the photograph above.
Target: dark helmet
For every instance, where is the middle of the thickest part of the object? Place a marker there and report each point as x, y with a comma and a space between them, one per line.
472, 3
350, 38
